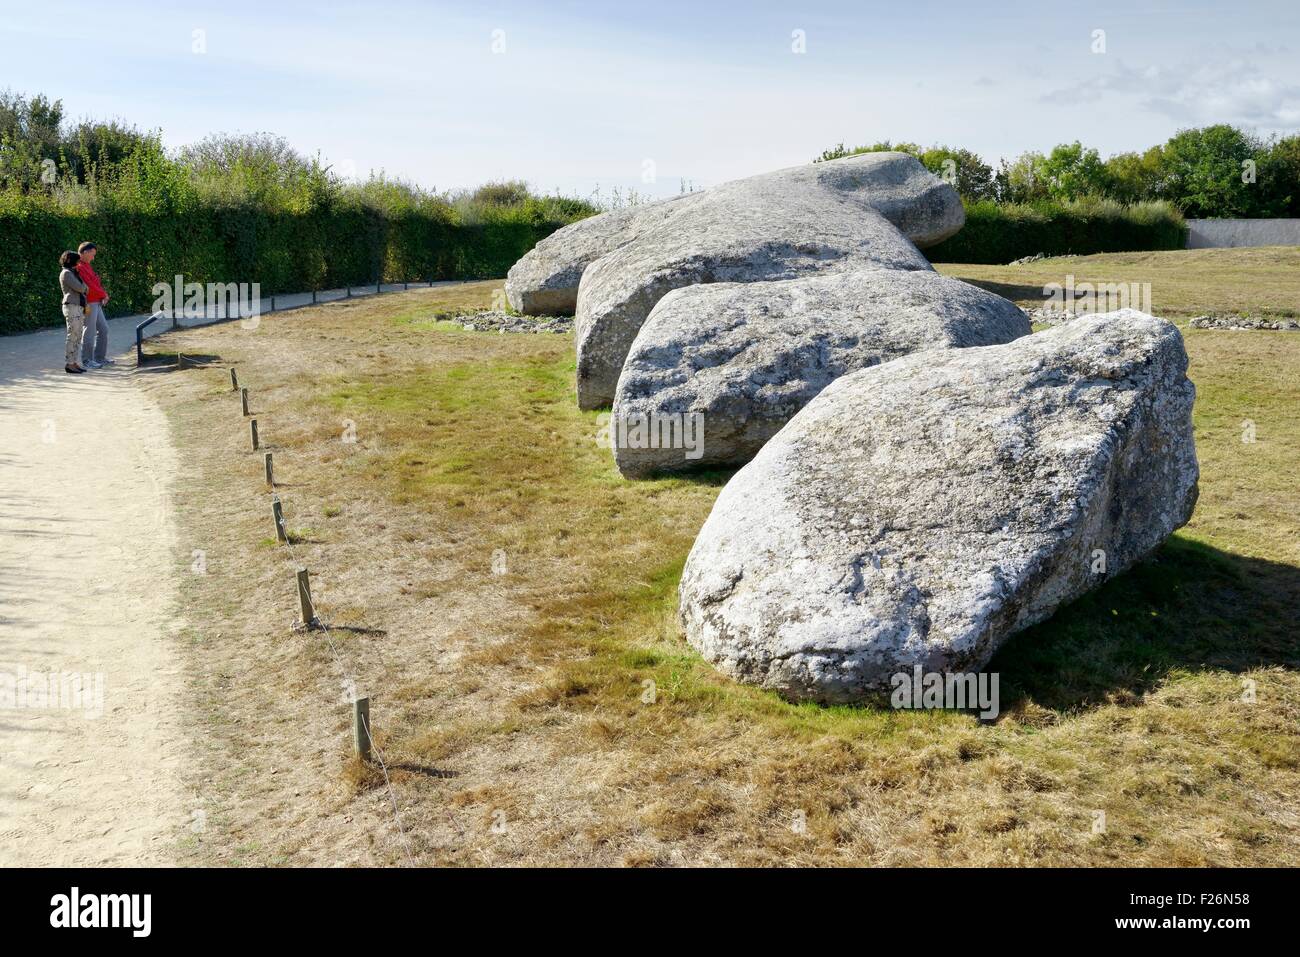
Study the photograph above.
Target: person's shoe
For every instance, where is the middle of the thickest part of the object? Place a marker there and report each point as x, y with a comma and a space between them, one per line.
108, 362
77, 370
92, 364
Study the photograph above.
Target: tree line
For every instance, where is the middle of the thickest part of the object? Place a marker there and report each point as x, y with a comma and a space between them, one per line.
1210, 172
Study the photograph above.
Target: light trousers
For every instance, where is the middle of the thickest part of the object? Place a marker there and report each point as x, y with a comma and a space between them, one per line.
75, 317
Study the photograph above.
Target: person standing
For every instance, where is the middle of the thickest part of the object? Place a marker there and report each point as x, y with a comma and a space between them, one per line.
94, 348
74, 309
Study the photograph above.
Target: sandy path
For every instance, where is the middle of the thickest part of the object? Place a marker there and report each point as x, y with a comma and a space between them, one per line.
88, 574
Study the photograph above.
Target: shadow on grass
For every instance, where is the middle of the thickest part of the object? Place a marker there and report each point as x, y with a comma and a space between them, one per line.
359, 630
713, 478
157, 362
1189, 608
423, 770
304, 538
1012, 291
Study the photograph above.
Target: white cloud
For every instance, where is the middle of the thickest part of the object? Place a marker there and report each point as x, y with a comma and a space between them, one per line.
1237, 89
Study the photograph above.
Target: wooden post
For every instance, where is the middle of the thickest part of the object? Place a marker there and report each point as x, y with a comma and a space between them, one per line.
243, 397
313, 297
361, 727
270, 475
277, 513
305, 608
252, 431
234, 381
180, 360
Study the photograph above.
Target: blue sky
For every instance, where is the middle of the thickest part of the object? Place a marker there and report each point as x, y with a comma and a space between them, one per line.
579, 94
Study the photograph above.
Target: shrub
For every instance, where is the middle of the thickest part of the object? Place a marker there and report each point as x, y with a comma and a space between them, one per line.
243, 209
1002, 233
346, 244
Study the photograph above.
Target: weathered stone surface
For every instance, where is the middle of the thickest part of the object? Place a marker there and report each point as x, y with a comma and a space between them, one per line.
925, 209
921, 511
747, 356
545, 281
720, 241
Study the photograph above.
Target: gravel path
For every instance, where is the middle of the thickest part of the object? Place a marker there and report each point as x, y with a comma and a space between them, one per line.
87, 589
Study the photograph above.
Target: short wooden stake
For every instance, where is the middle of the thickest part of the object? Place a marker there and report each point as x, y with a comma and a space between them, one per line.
180, 360
361, 727
252, 431
305, 608
277, 513
270, 475
234, 381
243, 398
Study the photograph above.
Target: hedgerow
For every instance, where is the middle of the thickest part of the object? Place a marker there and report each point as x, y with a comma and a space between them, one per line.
997, 233
283, 252
231, 209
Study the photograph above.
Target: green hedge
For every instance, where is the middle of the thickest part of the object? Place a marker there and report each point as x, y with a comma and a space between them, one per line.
996, 234
284, 252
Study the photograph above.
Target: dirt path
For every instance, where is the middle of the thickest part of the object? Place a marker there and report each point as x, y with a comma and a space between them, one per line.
87, 588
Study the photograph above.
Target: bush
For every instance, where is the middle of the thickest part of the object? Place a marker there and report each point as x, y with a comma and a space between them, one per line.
284, 252
1002, 233
231, 209
250, 210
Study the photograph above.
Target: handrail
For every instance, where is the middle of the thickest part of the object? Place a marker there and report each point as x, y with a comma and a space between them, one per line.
139, 329
139, 337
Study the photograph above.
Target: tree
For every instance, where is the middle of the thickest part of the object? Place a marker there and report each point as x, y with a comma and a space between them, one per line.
260, 169
227, 152
1023, 180
1279, 178
972, 177
30, 139
1136, 177
96, 148
1208, 172
1073, 172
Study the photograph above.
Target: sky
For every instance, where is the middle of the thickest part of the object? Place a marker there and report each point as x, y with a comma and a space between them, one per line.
656, 97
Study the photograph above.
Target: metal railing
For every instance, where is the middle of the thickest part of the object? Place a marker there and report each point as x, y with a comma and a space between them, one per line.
315, 301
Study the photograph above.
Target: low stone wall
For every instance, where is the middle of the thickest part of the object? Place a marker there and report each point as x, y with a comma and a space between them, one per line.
1215, 233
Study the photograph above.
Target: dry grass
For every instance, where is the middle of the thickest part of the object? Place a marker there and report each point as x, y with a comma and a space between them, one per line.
1263, 282
553, 715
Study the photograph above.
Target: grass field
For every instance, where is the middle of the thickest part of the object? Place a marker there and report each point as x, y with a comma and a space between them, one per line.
552, 714
1259, 282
